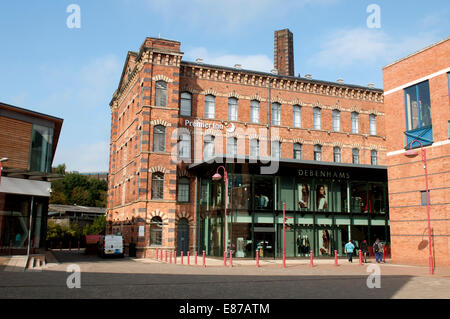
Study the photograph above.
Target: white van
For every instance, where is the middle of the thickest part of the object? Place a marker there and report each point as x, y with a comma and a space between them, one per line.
111, 245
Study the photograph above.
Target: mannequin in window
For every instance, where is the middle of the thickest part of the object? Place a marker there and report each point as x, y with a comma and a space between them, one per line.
304, 197
321, 198
326, 242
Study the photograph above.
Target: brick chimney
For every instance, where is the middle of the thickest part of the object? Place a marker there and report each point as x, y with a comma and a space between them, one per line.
284, 52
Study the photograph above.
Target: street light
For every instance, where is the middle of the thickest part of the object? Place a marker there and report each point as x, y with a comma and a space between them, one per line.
218, 177
411, 153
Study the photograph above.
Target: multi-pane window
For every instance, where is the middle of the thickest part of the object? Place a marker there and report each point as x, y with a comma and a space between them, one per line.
337, 154
254, 111
41, 148
423, 198
316, 118
232, 109
161, 93
276, 149
232, 146
158, 185
317, 152
186, 104
355, 123
297, 151
297, 116
373, 124
208, 147
184, 145
374, 157
276, 113
254, 148
355, 155
156, 231
210, 106
183, 190
418, 107
159, 138
336, 120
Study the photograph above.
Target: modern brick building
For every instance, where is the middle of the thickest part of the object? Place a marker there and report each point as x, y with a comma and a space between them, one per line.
317, 146
418, 108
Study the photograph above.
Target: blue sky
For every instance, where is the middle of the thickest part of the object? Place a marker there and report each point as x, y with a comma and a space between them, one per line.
72, 73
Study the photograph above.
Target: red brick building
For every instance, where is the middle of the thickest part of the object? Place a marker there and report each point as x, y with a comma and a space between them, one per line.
317, 146
417, 108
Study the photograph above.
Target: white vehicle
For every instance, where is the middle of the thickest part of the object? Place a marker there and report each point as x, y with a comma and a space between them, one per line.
111, 245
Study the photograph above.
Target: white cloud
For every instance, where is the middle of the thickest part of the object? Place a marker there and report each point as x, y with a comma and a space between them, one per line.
84, 157
257, 62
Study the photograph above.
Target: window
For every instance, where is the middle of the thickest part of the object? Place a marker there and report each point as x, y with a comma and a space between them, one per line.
41, 149
210, 105
208, 147
297, 116
317, 152
232, 146
232, 109
417, 100
254, 111
254, 148
276, 114
374, 157
184, 145
336, 120
355, 155
337, 154
156, 231
373, 124
183, 190
297, 151
159, 138
355, 123
423, 198
276, 149
158, 185
316, 118
161, 93
186, 104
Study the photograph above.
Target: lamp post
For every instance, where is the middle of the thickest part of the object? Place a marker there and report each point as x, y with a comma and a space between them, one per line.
412, 153
217, 177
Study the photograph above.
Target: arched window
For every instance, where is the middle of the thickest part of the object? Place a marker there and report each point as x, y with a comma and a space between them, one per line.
355, 123
276, 114
184, 146
297, 116
156, 228
374, 157
254, 111
161, 93
316, 118
232, 109
373, 124
254, 148
317, 152
158, 185
337, 154
232, 146
210, 106
336, 120
208, 147
355, 155
186, 104
183, 190
297, 151
159, 138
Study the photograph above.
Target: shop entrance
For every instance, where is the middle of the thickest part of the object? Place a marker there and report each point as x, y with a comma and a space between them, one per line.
183, 236
265, 241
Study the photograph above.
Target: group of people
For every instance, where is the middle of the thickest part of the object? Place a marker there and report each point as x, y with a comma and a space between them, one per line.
377, 249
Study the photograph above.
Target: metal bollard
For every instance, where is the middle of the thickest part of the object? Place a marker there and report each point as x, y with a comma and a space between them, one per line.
257, 258
311, 258
182, 257
360, 257
196, 258
188, 258
204, 259
335, 258
231, 258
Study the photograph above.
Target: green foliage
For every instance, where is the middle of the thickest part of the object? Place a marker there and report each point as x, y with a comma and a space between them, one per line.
76, 189
97, 228
57, 232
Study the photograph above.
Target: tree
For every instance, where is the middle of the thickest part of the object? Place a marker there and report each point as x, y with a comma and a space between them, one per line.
97, 228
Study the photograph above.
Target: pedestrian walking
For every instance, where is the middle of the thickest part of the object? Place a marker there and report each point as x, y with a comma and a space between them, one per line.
349, 248
378, 250
365, 250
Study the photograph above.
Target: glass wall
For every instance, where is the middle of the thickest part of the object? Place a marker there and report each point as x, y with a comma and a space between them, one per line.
41, 149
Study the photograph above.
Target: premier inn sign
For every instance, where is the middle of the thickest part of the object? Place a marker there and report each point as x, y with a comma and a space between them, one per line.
322, 173
201, 124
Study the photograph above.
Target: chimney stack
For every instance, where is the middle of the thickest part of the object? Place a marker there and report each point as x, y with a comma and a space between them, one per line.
284, 52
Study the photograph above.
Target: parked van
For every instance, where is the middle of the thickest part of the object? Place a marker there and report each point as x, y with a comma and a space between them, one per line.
111, 245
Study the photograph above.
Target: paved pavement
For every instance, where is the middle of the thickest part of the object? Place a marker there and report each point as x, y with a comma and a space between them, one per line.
148, 278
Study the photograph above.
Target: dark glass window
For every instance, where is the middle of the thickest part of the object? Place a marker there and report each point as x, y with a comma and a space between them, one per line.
232, 109
156, 231
374, 157
186, 104
317, 118
254, 111
417, 100
337, 154
158, 185
297, 151
159, 138
276, 114
336, 120
355, 128
184, 146
355, 155
373, 124
297, 115
423, 198
41, 148
317, 152
183, 190
161, 93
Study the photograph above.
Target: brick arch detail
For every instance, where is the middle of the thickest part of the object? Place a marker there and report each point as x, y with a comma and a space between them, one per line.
162, 77
298, 140
160, 169
187, 89
234, 94
183, 214
256, 97
297, 102
183, 173
158, 213
211, 92
160, 122
277, 99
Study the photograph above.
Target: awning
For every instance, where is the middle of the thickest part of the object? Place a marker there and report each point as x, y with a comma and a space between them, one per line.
24, 187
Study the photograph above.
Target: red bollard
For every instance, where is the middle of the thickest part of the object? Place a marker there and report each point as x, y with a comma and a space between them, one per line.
60, 245
360, 257
166, 256
257, 258
175, 256
170, 257
196, 258
161, 255
335, 258
384, 253
182, 257
157, 251
231, 258
188, 258
204, 259
311, 259
225, 258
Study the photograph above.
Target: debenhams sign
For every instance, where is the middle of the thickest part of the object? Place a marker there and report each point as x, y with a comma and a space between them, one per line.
322, 173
